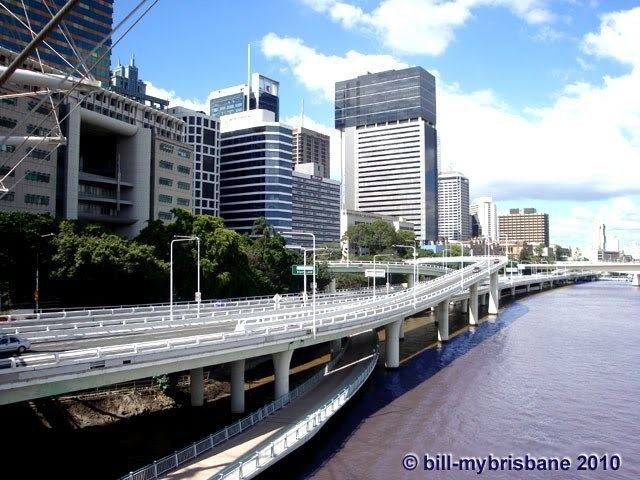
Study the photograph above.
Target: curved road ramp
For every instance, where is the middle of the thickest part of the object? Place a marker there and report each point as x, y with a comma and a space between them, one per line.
248, 447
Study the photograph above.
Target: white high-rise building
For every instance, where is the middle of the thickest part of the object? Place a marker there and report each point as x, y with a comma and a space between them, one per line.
454, 222
487, 214
389, 146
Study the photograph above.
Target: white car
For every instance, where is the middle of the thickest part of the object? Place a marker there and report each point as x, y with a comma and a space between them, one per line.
14, 344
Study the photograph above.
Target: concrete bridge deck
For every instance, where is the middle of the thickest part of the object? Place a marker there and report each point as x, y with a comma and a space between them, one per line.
260, 436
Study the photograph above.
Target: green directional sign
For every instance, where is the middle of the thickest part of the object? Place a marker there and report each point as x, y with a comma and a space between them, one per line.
301, 270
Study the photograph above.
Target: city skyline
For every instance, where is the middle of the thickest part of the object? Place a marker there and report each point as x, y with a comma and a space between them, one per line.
567, 62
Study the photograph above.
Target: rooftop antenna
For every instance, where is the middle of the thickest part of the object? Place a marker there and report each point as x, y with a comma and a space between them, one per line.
248, 75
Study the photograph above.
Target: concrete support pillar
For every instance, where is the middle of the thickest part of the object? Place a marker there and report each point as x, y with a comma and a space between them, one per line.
281, 361
401, 334
196, 383
513, 291
494, 294
473, 305
465, 305
528, 288
392, 344
635, 281
332, 286
410, 280
442, 315
237, 386
335, 346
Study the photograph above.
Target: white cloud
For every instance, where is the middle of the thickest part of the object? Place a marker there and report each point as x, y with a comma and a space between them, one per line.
319, 72
422, 26
176, 101
618, 38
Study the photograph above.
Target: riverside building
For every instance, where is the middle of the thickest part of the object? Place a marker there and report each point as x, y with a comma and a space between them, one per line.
389, 141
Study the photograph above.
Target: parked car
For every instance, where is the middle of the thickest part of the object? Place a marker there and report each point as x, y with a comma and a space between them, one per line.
14, 344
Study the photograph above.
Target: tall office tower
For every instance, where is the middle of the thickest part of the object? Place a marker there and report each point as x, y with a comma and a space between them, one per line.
255, 171
262, 94
487, 214
388, 124
311, 147
526, 225
454, 222
203, 133
125, 81
316, 205
82, 29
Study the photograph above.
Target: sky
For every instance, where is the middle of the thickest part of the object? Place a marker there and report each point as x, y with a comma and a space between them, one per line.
538, 100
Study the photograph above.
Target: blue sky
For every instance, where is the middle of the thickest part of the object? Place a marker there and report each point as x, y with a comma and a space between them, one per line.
537, 99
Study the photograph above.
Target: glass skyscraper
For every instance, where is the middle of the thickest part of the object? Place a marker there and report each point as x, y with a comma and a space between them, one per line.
264, 95
85, 25
388, 121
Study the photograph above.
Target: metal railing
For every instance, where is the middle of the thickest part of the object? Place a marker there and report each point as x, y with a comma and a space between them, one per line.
299, 433
187, 454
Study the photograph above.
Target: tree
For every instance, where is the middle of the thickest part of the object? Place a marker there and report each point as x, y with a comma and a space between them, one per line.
539, 249
376, 237
21, 248
105, 269
524, 256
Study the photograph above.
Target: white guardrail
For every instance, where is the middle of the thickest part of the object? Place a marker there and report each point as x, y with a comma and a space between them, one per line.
187, 454
77, 361
23, 369
298, 434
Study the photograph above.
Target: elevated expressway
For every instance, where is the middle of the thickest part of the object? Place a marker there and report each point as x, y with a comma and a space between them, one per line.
617, 267
66, 360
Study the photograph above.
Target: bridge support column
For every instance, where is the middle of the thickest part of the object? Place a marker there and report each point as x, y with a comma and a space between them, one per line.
392, 344
442, 315
473, 305
410, 280
196, 384
513, 291
465, 305
332, 286
494, 294
635, 281
528, 288
281, 362
335, 346
237, 386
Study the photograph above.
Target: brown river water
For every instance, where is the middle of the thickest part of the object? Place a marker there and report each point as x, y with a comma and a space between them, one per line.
554, 376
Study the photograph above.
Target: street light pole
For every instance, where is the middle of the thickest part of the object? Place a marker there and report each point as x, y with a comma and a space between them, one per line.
183, 238
37, 291
415, 263
313, 293
375, 271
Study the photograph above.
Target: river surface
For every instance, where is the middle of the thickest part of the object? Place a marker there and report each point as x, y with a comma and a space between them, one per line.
557, 374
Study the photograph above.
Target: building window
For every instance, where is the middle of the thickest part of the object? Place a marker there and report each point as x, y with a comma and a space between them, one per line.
184, 185
40, 154
8, 197
165, 147
184, 201
165, 198
36, 199
183, 169
5, 169
165, 164
7, 148
38, 176
8, 122
165, 215
167, 182
184, 153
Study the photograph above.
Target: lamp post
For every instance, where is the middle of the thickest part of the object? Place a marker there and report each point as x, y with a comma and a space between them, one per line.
36, 293
182, 238
313, 293
304, 263
415, 263
461, 262
375, 271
